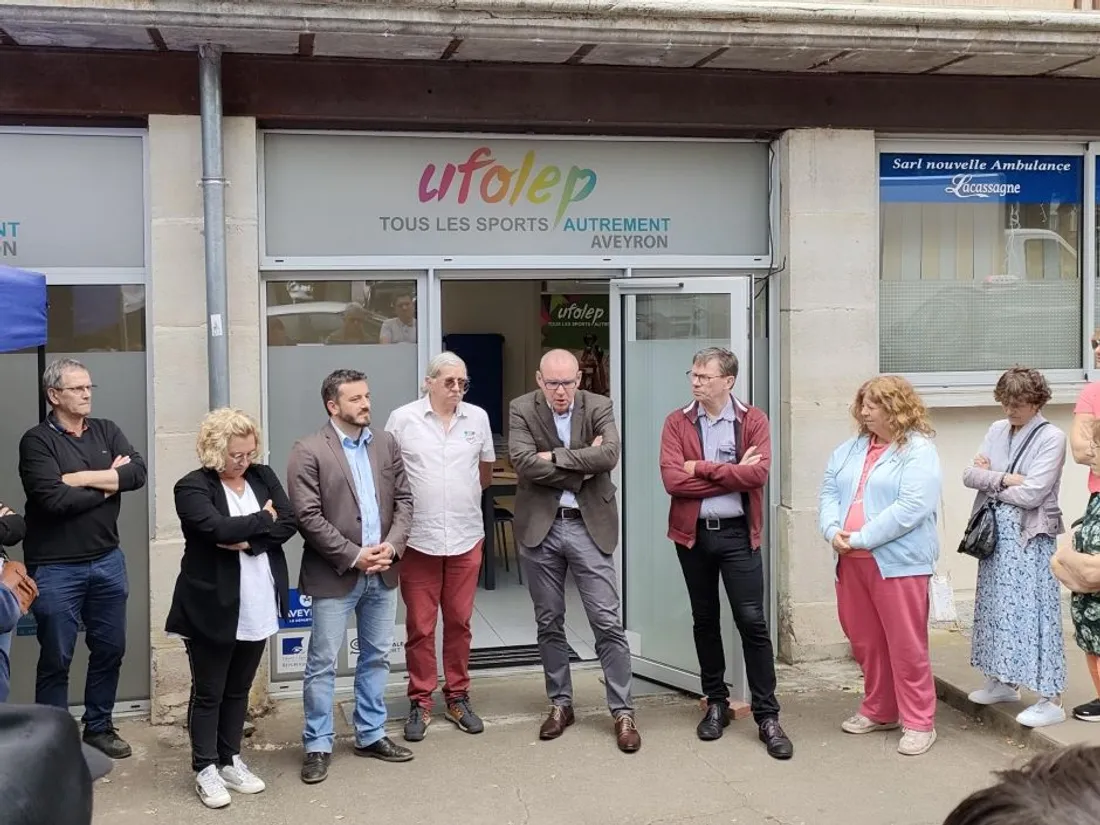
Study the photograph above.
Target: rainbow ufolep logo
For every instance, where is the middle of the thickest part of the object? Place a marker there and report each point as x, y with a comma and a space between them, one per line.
497, 183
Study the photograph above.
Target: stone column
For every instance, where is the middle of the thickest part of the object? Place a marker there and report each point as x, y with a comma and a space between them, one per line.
829, 345
178, 334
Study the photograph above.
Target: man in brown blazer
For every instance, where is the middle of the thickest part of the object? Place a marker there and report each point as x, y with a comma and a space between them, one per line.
563, 444
352, 501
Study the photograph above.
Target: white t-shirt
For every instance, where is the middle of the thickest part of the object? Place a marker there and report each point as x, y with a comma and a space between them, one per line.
443, 471
395, 331
259, 616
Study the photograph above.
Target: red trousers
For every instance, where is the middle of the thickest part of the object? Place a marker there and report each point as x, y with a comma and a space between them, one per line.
427, 584
886, 620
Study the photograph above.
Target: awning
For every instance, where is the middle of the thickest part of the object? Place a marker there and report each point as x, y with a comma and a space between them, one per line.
716, 34
22, 309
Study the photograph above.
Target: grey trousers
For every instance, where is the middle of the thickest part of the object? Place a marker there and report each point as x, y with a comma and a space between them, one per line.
569, 547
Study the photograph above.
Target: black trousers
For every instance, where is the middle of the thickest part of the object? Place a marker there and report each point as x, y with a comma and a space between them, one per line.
727, 555
221, 676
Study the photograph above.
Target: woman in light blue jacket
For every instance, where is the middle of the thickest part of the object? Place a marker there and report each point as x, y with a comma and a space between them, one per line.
878, 509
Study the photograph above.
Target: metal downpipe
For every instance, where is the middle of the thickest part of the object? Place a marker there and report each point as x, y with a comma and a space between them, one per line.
213, 212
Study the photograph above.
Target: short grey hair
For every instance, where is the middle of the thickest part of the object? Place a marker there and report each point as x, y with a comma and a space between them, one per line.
439, 363
727, 361
54, 376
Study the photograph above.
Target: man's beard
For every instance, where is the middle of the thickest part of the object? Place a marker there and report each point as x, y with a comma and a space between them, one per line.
350, 420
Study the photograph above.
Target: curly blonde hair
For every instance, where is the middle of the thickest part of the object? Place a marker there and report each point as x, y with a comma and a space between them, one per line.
904, 409
218, 428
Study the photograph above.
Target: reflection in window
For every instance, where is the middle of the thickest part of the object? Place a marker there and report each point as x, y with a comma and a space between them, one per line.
980, 264
96, 318
340, 312
681, 317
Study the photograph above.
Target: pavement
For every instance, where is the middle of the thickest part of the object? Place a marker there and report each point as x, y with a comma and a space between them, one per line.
506, 776
955, 678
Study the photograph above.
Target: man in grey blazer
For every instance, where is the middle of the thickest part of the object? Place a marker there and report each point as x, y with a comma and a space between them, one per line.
349, 492
563, 444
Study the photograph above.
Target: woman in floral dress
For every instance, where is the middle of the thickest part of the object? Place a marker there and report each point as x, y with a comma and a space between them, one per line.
1017, 612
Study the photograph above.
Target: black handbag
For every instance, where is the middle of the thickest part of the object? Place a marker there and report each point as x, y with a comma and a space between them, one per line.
980, 538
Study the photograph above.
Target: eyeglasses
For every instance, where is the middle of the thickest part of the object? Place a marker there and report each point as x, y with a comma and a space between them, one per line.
1095, 343
700, 378
241, 458
554, 386
80, 390
452, 382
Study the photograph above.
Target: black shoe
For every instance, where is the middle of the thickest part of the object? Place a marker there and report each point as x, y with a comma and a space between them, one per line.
776, 741
386, 750
460, 712
315, 767
714, 721
416, 726
1088, 712
108, 742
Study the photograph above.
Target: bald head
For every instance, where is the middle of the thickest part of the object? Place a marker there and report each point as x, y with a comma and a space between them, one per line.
559, 359
558, 376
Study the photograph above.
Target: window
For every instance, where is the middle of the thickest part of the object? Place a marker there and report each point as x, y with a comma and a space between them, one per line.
341, 312
980, 261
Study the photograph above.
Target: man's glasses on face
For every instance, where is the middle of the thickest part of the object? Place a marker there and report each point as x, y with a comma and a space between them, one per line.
83, 389
1095, 343
700, 378
554, 386
452, 382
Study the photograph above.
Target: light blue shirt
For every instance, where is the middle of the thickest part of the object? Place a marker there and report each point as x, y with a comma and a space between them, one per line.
359, 461
720, 445
563, 423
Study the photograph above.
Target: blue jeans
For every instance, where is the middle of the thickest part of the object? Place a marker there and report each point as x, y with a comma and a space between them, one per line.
9, 617
375, 607
94, 592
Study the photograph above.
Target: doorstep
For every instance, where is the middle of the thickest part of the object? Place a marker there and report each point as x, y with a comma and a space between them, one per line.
955, 679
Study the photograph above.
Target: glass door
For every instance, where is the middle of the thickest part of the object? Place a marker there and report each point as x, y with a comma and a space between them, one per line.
658, 326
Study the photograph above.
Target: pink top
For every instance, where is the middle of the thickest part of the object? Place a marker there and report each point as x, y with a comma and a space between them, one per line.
1089, 403
856, 517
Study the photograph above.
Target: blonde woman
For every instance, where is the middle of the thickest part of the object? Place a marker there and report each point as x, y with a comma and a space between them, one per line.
1017, 606
231, 590
878, 510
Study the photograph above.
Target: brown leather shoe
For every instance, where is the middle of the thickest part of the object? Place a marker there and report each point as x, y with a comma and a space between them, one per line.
626, 733
561, 717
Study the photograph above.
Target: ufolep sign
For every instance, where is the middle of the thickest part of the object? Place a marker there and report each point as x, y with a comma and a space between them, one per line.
338, 195
959, 178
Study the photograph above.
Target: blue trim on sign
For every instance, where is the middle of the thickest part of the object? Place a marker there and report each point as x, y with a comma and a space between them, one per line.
917, 177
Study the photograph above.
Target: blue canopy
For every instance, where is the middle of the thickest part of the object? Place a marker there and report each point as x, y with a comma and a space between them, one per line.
22, 309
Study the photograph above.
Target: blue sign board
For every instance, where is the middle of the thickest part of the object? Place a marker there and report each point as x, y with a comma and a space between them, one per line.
301, 611
935, 178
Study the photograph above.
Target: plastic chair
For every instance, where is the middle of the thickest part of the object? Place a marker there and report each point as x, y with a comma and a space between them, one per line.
503, 519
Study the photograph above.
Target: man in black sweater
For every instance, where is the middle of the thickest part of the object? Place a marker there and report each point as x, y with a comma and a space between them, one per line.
73, 469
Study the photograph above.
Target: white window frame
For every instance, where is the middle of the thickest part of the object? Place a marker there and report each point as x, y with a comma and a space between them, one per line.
973, 388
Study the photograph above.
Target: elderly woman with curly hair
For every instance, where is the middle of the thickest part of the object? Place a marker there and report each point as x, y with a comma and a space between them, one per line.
231, 590
1017, 609
878, 509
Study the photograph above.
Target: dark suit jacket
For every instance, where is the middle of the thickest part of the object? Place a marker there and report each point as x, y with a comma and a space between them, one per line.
579, 467
207, 601
44, 779
322, 491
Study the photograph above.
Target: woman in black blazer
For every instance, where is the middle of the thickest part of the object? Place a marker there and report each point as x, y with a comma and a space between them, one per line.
231, 590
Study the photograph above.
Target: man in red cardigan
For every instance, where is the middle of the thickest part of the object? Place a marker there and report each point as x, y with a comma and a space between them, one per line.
715, 457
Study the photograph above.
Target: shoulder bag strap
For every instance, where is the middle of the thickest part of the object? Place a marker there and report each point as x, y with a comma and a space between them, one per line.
1023, 448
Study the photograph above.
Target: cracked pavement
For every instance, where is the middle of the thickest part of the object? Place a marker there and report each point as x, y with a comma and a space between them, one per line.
506, 776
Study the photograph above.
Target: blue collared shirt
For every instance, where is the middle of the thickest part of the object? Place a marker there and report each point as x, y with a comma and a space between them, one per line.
720, 445
563, 423
359, 461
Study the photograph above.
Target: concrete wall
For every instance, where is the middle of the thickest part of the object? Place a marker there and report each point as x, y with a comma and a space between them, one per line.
178, 336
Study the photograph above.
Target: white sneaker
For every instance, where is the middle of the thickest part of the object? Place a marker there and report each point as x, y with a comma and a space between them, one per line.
916, 742
210, 788
861, 724
1042, 713
994, 692
239, 778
